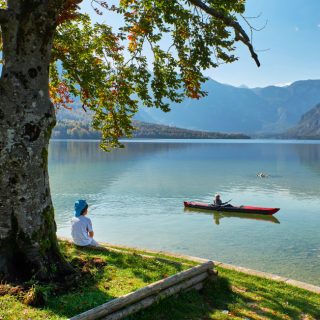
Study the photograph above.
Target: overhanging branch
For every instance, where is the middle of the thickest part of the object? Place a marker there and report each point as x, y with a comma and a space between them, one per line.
241, 35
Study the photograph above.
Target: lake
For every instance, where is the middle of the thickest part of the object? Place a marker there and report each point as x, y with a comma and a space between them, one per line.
136, 198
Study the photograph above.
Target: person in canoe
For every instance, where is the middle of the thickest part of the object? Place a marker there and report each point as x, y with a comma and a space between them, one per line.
218, 202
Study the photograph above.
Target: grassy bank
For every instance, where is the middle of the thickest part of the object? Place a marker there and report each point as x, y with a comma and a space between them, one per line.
110, 274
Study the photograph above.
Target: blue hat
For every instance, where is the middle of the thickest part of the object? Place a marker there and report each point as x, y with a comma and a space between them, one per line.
79, 206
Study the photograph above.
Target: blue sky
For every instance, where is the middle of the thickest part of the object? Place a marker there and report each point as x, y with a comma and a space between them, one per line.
292, 37
289, 44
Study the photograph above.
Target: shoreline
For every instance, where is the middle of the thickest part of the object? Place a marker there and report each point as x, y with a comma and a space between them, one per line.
208, 140
266, 275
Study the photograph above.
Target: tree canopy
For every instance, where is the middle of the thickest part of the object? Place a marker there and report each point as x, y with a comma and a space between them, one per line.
110, 70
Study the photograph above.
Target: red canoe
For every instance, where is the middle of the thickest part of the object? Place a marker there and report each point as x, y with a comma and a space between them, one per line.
229, 208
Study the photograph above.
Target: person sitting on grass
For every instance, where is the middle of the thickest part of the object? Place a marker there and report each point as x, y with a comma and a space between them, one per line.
81, 226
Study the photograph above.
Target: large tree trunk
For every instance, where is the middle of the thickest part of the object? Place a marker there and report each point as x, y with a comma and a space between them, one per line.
28, 243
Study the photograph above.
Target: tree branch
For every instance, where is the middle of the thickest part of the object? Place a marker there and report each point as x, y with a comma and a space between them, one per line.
241, 35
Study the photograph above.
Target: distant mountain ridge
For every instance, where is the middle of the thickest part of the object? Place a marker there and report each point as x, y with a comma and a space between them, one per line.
308, 126
228, 109
292, 101
237, 109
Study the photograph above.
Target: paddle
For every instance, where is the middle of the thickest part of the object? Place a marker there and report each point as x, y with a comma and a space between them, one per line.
227, 202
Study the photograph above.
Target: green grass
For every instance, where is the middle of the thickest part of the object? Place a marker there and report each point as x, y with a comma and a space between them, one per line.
121, 274
111, 274
238, 296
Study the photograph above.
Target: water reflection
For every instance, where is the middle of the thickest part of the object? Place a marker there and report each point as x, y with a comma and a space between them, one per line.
217, 216
73, 151
195, 169
309, 156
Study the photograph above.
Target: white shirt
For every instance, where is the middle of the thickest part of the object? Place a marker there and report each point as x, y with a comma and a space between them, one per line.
80, 226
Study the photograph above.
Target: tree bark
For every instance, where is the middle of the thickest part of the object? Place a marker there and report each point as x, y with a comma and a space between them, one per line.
28, 242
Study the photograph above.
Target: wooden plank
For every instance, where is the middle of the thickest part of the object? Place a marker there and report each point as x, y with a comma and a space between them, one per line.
197, 287
193, 283
144, 292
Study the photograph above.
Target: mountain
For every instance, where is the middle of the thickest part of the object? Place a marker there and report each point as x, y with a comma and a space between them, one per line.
273, 109
238, 109
308, 126
226, 109
292, 101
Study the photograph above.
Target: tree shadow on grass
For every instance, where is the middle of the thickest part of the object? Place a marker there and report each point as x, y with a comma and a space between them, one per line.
126, 271
283, 299
191, 304
221, 300
143, 268
231, 295
295, 304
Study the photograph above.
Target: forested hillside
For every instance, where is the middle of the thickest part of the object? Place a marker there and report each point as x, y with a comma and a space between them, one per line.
75, 129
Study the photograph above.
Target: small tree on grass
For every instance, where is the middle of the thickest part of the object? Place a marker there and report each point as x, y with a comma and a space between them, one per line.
109, 70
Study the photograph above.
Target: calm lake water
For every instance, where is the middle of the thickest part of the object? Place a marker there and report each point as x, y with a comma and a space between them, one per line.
136, 198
